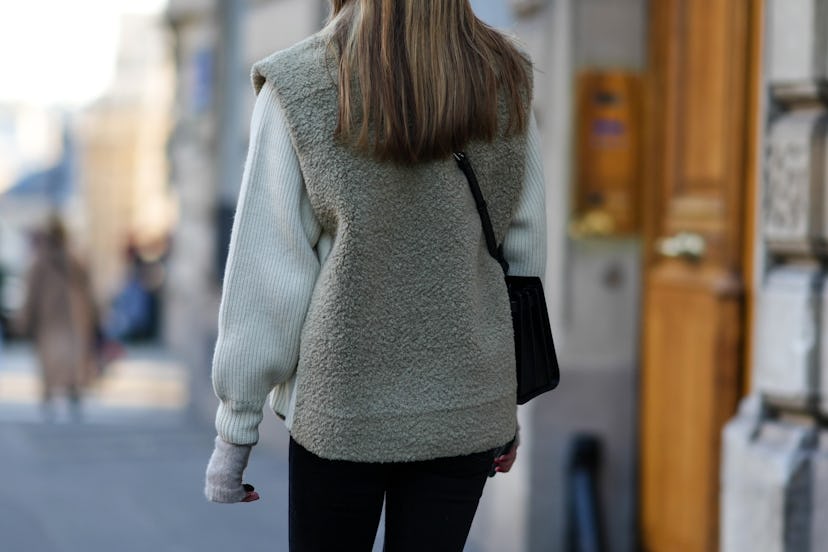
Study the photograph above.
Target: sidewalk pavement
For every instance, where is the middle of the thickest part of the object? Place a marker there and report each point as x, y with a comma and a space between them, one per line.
129, 475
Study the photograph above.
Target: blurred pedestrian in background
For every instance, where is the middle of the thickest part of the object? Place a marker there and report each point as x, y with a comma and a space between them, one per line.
59, 314
359, 289
133, 314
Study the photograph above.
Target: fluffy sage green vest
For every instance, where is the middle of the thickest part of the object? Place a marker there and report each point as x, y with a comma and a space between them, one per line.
407, 349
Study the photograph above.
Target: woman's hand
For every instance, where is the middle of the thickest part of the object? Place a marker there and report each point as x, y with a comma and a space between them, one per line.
504, 462
224, 474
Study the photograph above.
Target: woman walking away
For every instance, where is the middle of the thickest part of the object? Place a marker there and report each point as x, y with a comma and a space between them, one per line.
60, 314
359, 290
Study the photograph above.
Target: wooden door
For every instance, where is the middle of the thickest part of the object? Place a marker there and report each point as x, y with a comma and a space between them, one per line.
701, 95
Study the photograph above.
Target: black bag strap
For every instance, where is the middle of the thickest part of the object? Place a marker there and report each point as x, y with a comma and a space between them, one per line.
495, 250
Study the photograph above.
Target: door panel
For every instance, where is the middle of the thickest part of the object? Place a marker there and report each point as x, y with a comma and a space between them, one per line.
690, 390
698, 85
703, 93
699, 95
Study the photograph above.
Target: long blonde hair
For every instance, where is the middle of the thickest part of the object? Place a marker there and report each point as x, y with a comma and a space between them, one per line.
419, 79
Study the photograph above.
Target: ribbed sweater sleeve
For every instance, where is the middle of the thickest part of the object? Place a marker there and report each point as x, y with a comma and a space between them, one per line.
271, 271
524, 245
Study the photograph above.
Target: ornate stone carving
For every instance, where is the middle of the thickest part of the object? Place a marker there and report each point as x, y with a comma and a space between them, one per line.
788, 191
793, 208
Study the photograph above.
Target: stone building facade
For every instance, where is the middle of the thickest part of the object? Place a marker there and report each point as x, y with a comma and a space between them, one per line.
122, 174
775, 460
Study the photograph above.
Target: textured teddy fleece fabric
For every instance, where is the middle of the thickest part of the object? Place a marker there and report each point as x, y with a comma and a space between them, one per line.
363, 291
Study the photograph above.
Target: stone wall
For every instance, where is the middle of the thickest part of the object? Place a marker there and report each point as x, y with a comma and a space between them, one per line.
774, 480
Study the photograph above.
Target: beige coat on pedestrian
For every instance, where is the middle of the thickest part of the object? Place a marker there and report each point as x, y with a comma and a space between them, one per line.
60, 315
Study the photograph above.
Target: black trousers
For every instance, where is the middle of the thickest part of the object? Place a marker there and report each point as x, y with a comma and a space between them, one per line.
336, 505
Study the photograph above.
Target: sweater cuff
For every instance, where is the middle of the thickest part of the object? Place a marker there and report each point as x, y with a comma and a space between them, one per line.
238, 422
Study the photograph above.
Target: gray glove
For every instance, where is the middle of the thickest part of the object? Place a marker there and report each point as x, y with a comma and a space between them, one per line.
224, 474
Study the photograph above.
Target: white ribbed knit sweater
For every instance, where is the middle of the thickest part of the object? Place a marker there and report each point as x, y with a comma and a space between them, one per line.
276, 251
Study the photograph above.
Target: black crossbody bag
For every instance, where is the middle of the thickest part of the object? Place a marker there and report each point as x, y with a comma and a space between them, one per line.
537, 364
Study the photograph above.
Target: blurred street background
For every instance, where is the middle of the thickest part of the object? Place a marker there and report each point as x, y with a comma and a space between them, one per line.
127, 474
684, 146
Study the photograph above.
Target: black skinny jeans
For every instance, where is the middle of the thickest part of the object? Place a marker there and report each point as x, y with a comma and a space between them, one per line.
336, 505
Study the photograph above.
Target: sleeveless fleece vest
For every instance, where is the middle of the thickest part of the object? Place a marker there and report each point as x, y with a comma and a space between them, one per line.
407, 349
